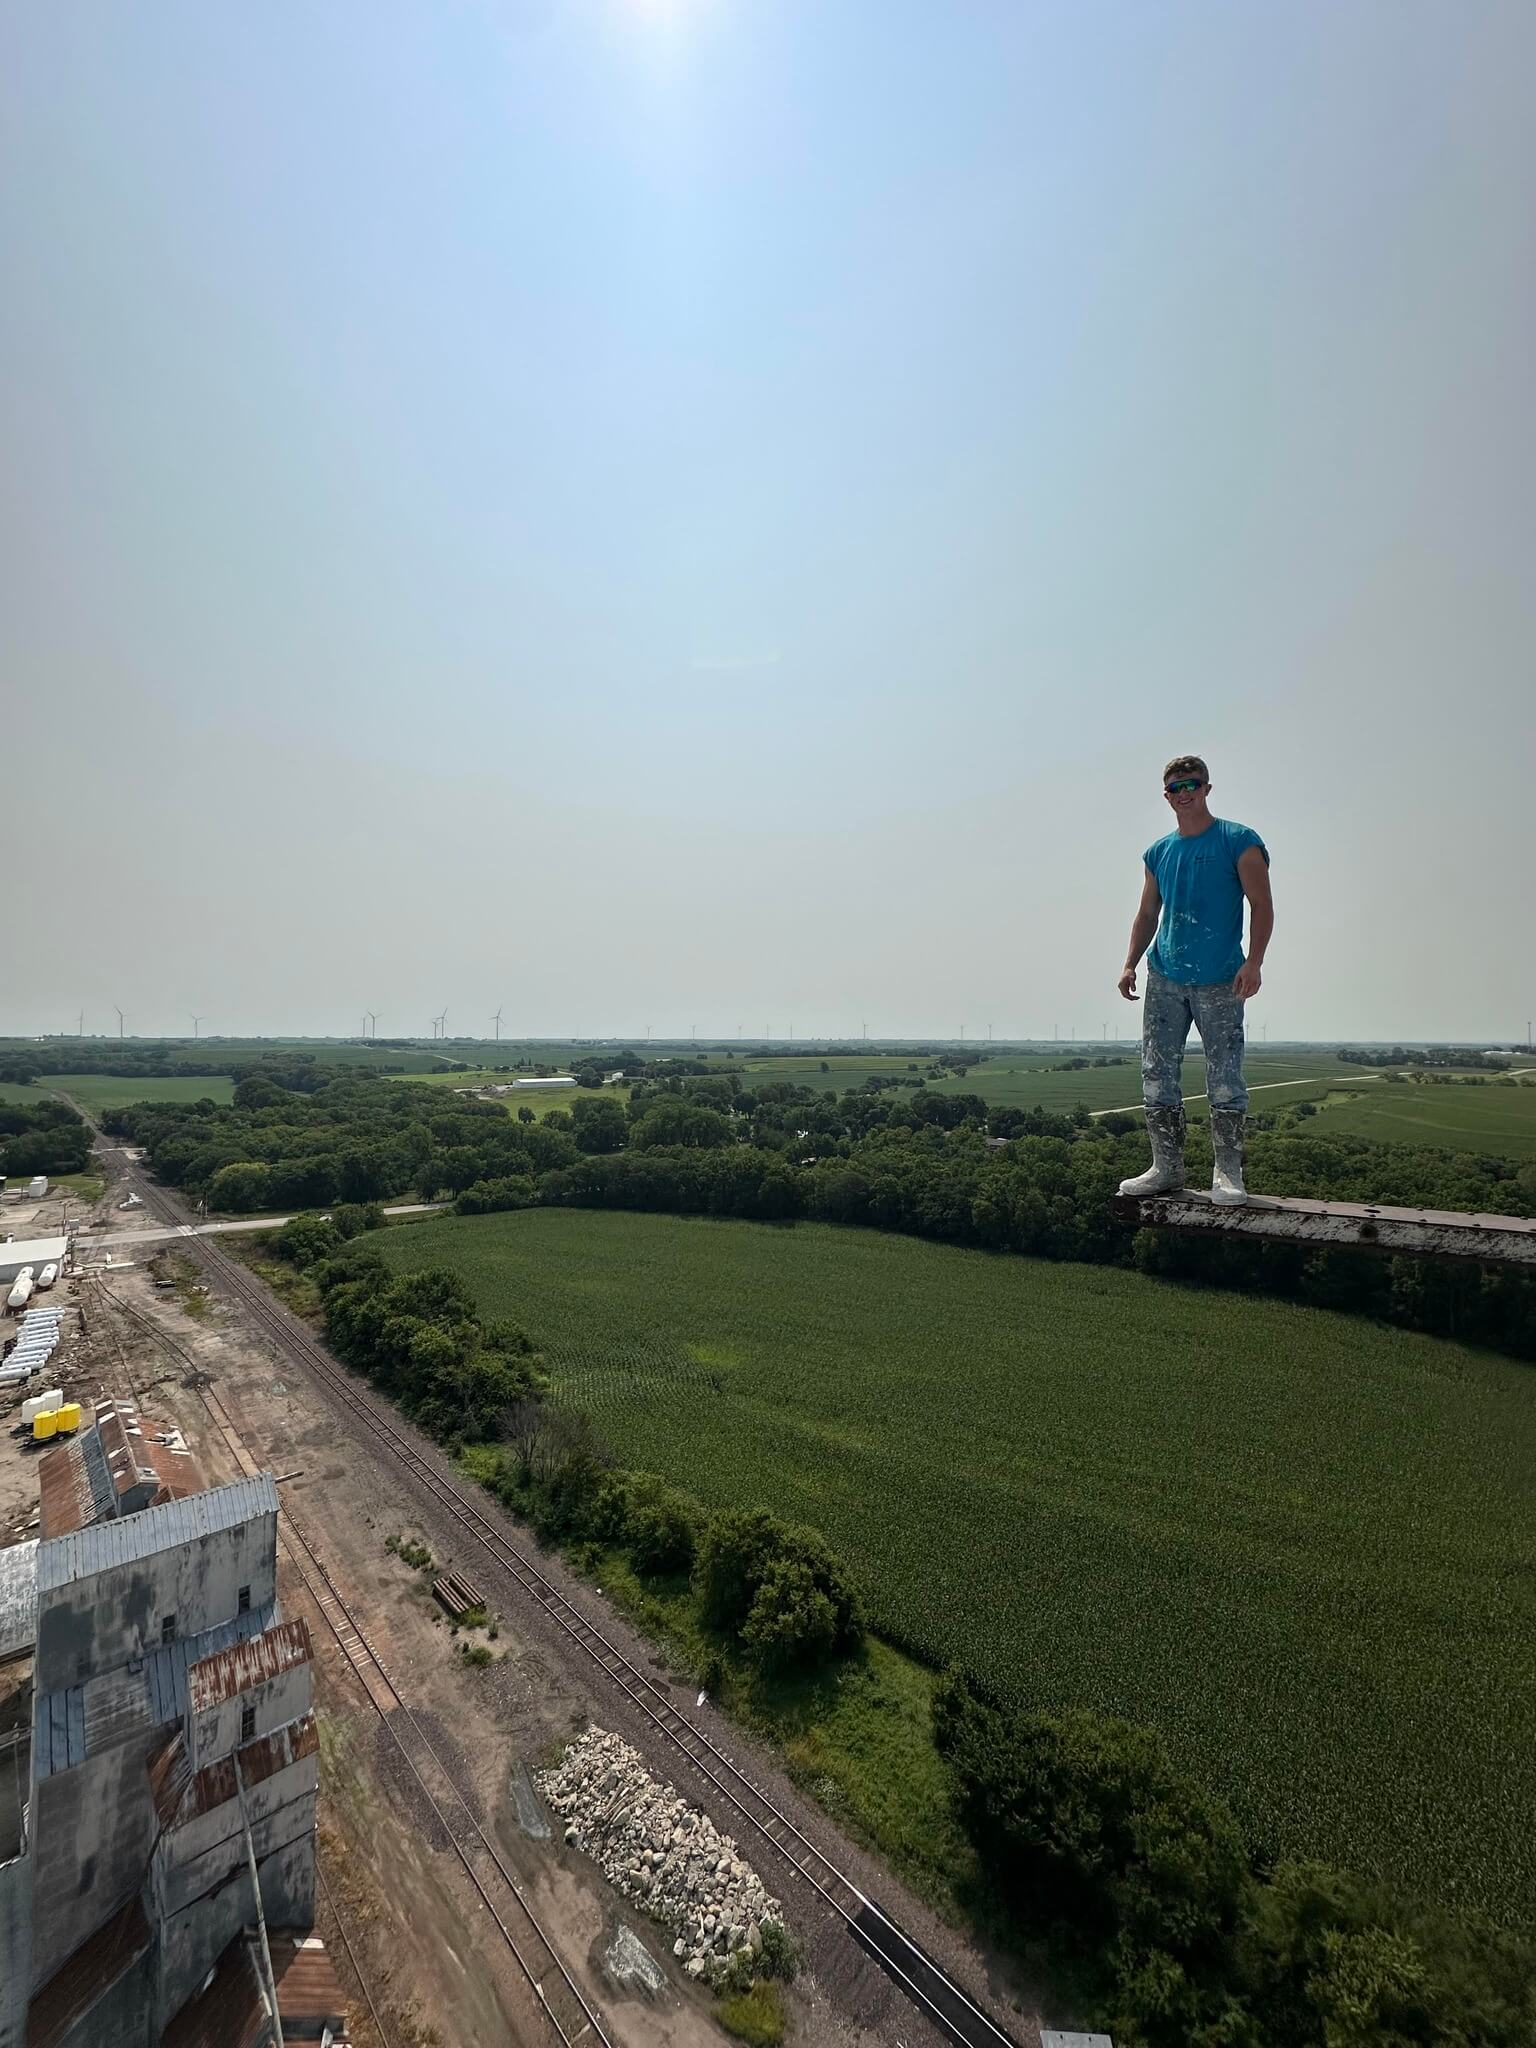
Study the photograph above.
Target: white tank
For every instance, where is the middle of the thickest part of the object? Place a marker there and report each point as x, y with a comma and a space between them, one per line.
48, 1275
21, 1290
40, 1404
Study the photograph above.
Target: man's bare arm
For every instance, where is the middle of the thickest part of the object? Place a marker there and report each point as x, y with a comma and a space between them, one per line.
1143, 932
1253, 873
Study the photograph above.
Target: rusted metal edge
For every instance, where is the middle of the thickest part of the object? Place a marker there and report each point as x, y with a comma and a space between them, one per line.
1345, 1226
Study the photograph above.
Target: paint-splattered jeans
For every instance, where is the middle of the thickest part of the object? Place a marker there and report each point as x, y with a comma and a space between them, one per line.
1217, 1014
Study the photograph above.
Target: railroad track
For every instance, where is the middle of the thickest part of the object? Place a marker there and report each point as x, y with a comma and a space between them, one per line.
560, 2000
925, 1983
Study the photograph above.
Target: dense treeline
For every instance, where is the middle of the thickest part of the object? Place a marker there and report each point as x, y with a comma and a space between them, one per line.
42, 1137
1131, 1876
932, 1163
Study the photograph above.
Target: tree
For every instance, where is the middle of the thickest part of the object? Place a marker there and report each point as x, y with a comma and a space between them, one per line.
240, 1189
1082, 1818
791, 1621
600, 1124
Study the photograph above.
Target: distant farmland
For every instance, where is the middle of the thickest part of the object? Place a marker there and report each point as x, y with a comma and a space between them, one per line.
1027, 1080
112, 1091
1299, 1544
1461, 1116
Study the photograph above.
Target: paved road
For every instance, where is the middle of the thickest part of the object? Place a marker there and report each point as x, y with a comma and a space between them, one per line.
109, 1240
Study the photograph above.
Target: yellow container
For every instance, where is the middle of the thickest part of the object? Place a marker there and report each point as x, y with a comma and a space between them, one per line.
69, 1417
45, 1425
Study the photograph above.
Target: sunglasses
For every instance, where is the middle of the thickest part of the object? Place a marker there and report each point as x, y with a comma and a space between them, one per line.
1178, 788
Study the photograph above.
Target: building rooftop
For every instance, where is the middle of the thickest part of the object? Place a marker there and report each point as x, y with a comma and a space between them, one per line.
18, 1599
228, 2012
33, 1251
62, 1560
87, 1479
235, 1670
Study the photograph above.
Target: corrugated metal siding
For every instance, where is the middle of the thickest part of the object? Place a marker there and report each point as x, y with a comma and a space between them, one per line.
58, 1731
64, 1734
66, 1559
167, 1665
18, 1598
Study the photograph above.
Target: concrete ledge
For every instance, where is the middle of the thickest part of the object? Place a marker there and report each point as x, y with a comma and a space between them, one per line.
1345, 1226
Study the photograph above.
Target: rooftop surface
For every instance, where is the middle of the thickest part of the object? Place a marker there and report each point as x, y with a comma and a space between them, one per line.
62, 1560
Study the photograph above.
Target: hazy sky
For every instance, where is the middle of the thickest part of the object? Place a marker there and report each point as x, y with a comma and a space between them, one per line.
716, 511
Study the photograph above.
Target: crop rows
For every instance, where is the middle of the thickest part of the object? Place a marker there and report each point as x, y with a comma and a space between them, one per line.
1298, 1544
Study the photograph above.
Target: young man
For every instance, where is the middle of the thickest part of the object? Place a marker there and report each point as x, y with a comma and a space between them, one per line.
1197, 974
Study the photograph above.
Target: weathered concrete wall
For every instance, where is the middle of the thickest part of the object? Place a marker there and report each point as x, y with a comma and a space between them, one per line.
192, 1941
288, 1697
91, 1831
102, 1621
15, 1949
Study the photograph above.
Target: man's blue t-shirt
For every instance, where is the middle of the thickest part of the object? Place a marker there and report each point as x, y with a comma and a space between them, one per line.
1200, 938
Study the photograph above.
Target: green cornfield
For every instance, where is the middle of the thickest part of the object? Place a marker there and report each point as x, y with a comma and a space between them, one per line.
1300, 1545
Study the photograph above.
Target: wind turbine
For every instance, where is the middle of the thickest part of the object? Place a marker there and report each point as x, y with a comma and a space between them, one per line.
496, 1020
119, 1021
195, 1022
80, 1033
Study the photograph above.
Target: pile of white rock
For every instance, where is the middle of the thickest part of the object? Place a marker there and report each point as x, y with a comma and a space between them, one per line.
660, 1851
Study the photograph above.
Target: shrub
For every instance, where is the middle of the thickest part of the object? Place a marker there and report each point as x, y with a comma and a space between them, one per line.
660, 1528
791, 1621
780, 1958
777, 1587
755, 2016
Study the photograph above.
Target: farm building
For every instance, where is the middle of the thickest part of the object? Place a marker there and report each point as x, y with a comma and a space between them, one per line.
17, 1252
546, 1081
171, 1771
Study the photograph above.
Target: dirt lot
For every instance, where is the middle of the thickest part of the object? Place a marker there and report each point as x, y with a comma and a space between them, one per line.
392, 1886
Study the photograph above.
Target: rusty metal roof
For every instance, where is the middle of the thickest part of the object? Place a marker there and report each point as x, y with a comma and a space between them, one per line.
81, 1554
237, 1669
227, 2013
170, 1773
83, 1482
65, 1498
82, 1978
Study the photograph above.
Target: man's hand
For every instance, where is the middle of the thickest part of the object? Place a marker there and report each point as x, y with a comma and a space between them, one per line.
1248, 982
1128, 985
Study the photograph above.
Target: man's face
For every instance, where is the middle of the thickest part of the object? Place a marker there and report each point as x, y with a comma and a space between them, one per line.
1186, 793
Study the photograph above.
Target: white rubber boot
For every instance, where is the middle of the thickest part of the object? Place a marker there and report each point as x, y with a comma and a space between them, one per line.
1166, 1173
1227, 1190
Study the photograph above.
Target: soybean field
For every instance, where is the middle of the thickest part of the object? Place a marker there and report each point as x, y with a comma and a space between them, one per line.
1298, 1544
